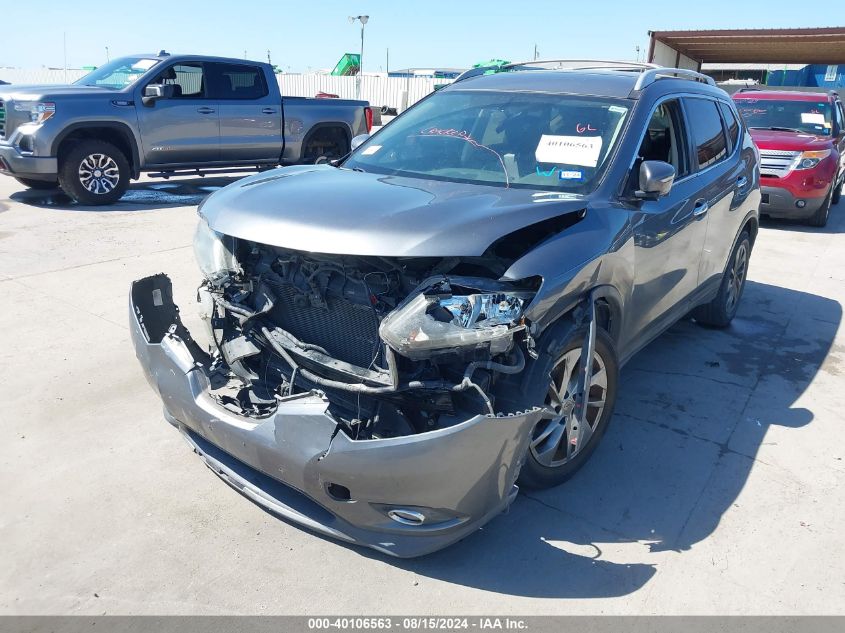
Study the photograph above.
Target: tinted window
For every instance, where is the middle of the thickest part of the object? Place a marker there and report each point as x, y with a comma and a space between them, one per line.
708, 137
664, 138
188, 80
236, 81
731, 122
840, 118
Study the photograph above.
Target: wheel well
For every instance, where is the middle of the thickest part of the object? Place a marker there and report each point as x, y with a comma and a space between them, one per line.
751, 226
326, 135
109, 134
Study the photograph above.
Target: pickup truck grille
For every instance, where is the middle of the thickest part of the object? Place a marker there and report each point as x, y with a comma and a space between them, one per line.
2, 119
347, 331
776, 162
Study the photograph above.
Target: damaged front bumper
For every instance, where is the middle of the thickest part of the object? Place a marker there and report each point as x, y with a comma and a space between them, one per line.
404, 496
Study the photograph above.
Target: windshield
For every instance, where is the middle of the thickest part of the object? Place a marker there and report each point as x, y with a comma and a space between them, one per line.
507, 139
118, 73
812, 117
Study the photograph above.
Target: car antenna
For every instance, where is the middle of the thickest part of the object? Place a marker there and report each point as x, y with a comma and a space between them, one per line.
163, 53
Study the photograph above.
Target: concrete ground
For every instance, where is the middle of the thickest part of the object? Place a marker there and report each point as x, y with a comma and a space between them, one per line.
719, 487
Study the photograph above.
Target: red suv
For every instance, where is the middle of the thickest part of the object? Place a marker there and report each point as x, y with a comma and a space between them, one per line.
801, 138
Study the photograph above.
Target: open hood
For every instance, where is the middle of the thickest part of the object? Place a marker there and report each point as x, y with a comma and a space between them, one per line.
324, 209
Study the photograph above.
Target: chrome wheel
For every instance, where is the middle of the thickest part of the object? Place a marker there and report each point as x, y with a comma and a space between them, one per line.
99, 173
554, 441
736, 276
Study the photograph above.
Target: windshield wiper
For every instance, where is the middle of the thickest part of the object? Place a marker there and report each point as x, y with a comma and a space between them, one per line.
775, 128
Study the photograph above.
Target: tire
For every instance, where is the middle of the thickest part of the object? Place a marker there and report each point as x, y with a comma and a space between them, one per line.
837, 193
722, 309
94, 173
819, 218
563, 343
41, 185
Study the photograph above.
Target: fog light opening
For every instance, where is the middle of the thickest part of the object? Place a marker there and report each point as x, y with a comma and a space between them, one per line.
406, 517
338, 492
800, 204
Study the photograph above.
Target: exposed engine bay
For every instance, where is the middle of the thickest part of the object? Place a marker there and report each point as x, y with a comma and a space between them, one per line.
398, 345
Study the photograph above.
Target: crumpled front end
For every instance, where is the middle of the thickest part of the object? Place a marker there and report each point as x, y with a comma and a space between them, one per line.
374, 473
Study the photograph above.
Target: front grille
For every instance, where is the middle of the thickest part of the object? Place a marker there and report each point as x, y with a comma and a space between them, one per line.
347, 331
2, 119
776, 162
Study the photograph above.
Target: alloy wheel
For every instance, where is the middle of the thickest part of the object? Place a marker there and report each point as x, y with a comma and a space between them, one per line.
99, 173
553, 441
736, 277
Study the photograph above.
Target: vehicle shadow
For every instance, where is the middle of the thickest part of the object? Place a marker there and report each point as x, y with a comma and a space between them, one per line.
692, 412
146, 195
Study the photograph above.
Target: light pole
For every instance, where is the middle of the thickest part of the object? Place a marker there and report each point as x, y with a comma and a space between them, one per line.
363, 19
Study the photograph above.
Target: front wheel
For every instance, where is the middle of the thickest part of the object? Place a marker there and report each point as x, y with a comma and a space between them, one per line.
556, 451
94, 172
819, 218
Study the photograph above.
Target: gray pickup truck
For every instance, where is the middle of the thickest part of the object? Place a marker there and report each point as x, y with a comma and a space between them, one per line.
165, 115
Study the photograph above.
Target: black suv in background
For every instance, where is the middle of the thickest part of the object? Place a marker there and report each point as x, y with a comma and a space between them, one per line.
400, 336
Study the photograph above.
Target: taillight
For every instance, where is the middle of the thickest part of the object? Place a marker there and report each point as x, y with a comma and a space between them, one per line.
368, 115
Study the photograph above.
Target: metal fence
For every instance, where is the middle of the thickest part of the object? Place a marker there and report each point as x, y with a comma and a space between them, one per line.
396, 92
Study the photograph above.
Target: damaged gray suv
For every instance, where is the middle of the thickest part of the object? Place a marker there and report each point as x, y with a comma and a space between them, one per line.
399, 337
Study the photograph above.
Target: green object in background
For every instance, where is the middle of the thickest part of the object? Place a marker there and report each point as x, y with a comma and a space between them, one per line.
349, 64
496, 64
89, 68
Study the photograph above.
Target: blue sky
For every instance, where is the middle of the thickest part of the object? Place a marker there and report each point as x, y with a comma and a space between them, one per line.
305, 34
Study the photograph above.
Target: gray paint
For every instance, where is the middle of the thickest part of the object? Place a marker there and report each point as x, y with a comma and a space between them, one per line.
329, 210
175, 132
653, 261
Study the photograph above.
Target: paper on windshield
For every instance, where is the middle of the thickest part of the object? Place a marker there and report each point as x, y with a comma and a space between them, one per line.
569, 150
812, 118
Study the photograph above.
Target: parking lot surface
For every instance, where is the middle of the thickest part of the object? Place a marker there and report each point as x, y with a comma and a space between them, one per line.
719, 487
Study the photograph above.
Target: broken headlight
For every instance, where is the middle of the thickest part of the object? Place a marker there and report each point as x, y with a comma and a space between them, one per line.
214, 252
434, 324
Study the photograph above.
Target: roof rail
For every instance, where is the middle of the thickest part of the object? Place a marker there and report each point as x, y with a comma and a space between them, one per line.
648, 77
586, 64
562, 64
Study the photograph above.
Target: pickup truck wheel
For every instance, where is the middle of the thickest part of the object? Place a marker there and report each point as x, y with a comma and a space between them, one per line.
722, 309
553, 456
38, 184
819, 218
94, 172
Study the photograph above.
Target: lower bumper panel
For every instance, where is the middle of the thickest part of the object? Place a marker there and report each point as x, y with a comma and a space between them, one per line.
293, 462
780, 203
13, 163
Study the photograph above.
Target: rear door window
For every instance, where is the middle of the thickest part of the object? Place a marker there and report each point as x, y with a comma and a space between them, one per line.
237, 81
731, 123
708, 135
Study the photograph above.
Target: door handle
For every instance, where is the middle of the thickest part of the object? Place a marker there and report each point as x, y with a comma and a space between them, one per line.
268, 111
701, 207
741, 182
205, 110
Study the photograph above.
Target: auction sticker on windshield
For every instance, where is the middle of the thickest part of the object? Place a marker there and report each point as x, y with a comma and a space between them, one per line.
569, 150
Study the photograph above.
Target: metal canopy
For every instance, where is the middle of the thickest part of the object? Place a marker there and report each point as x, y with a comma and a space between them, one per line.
795, 46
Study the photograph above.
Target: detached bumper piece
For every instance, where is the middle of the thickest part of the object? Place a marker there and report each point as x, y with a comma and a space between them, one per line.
404, 496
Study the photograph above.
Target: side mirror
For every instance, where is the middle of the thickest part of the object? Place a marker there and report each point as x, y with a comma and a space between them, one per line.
357, 141
154, 92
656, 178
